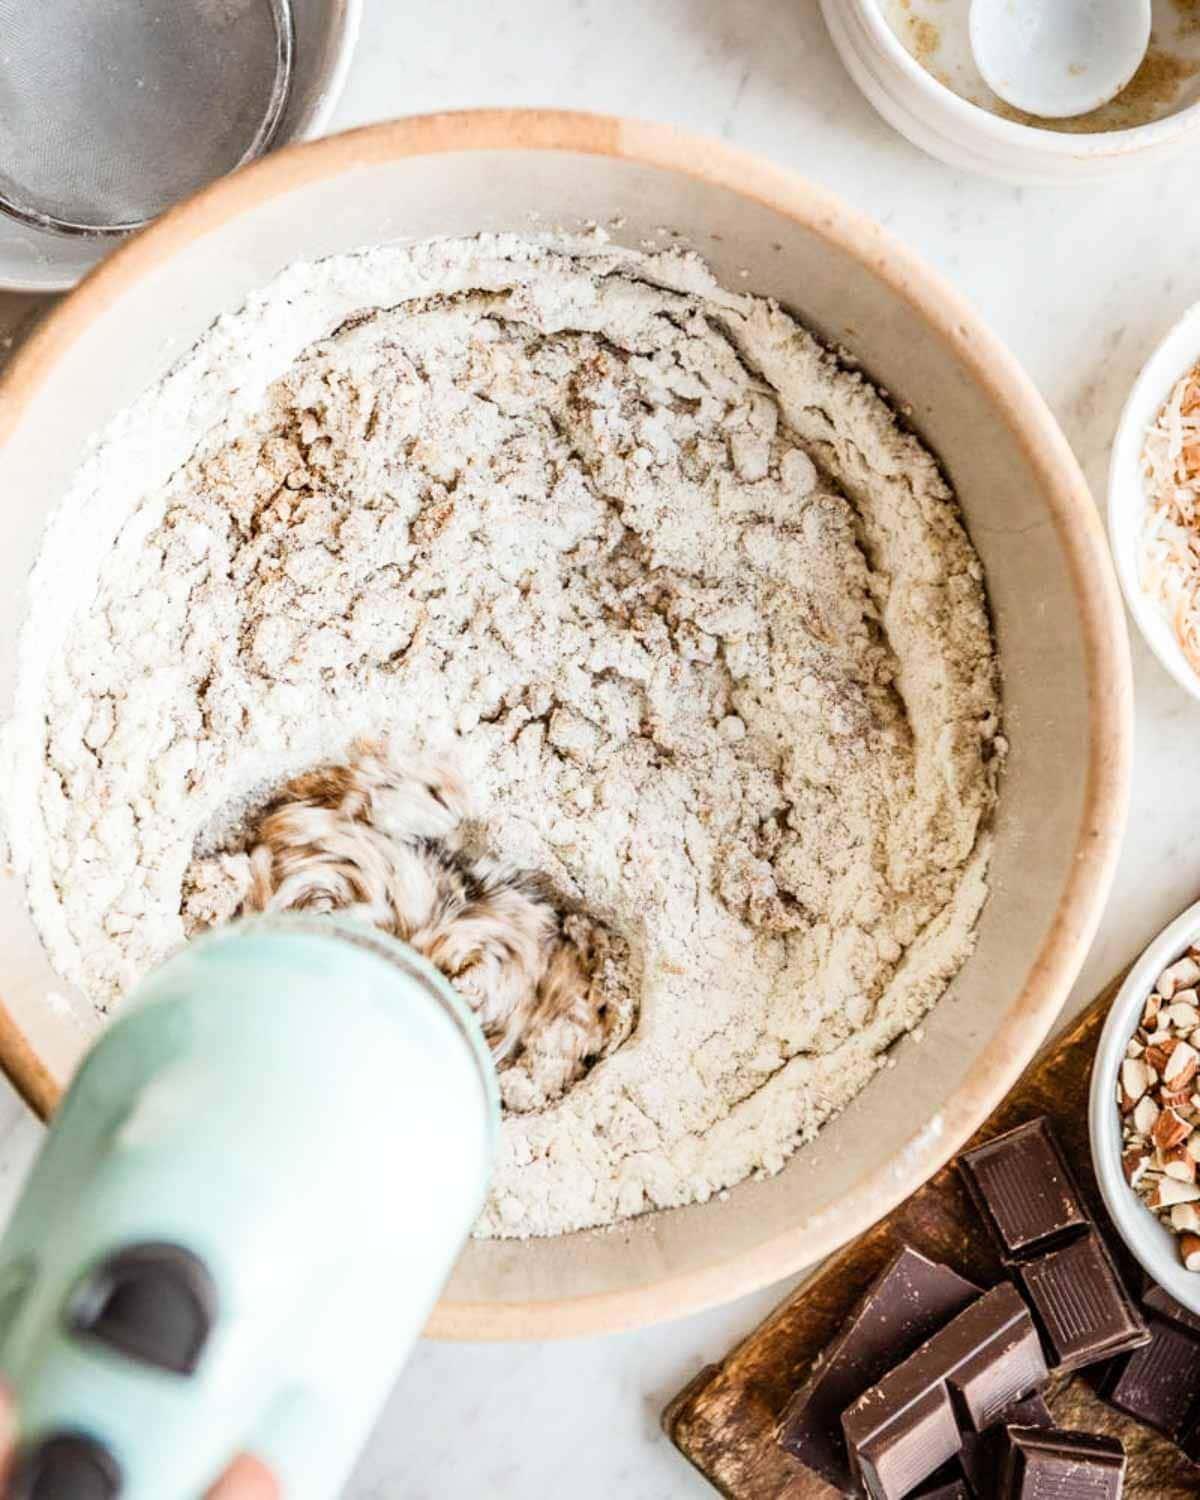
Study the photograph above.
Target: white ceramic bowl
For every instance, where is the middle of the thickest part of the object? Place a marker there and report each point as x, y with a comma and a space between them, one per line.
964, 135
1177, 353
1055, 606
33, 260
1151, 1244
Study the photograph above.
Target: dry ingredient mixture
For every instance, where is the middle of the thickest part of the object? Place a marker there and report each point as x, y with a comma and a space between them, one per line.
1158, 1094
696, 616
1171, 542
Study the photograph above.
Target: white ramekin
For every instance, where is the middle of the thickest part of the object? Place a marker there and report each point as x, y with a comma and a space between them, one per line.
1152, 1245
1177, 353
949, 127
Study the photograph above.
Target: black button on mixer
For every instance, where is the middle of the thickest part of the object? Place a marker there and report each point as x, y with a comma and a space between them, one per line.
153, 1303
67, 1466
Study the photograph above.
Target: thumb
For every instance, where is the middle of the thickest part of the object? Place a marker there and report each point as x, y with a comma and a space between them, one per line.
247, 1478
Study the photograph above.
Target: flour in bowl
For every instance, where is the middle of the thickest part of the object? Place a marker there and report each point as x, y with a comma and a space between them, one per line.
695, 614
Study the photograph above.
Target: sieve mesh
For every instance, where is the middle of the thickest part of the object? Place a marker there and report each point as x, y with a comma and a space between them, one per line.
111, 110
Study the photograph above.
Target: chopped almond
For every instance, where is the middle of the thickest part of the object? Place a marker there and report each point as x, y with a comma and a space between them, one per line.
1135, 1080
1145, 1115
1170, 1131
1189, 1251
1185, 1217
1183, 1063
1168, 1191
1181, 975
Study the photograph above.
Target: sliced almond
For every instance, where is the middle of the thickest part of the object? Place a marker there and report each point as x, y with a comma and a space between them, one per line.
1189, 1251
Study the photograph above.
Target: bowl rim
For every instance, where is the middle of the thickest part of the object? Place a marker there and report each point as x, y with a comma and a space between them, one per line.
1148, 1242
955, 323
1029, 138
1175, 353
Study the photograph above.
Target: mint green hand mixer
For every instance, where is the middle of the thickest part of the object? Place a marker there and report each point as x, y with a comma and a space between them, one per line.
242, 1214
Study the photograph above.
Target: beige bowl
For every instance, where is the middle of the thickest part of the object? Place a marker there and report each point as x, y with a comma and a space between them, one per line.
1057, 613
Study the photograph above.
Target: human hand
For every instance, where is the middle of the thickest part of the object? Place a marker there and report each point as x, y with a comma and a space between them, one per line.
245, 1479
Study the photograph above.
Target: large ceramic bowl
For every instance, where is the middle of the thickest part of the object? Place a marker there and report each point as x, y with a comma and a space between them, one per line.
1056, 607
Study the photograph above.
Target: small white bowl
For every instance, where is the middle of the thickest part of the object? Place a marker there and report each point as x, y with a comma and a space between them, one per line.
1177, 353
1153, 1246
969, 137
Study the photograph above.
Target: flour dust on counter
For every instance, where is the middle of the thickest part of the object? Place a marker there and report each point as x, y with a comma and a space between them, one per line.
682, 605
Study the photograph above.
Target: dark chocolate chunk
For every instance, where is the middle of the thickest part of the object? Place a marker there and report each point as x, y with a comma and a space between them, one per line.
946, 1484
902, 1430
907, 1303
1081, 1306
1024, 1190
1157, 1300
1048, 1464
1158, 1384
983, 1452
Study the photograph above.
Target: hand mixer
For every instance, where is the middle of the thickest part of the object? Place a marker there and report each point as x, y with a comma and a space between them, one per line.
242, 1214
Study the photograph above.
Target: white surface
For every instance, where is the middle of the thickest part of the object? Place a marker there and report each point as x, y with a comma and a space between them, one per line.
1062, 59
1082, 282
1177, 353
1151, 1242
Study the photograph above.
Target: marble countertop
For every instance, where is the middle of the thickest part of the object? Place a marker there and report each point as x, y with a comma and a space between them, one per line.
1081, 283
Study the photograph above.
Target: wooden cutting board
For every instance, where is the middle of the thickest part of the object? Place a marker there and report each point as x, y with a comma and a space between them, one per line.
724, 1421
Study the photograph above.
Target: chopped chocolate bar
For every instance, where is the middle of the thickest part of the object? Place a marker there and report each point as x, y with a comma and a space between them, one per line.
1159, 1384
907, 1303
1024, 1190
902, 1430
1156, 1300
946, 1484
983, 1452
1082, 1308
1048, 1464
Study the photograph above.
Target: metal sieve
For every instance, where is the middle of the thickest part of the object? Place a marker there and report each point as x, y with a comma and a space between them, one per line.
112, 110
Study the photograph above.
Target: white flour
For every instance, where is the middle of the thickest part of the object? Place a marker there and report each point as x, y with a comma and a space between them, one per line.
702, 618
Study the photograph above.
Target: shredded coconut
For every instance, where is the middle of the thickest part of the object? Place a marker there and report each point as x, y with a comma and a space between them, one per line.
1171, 539
698, 614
